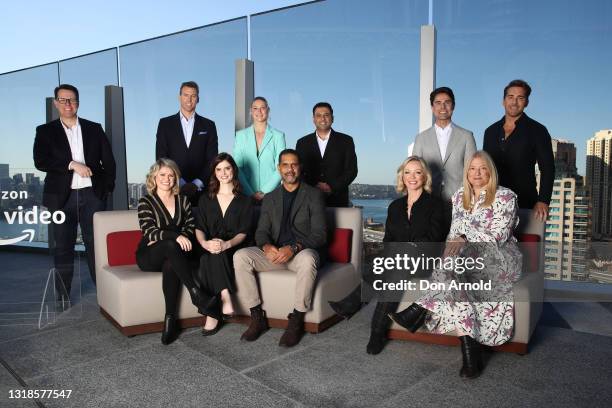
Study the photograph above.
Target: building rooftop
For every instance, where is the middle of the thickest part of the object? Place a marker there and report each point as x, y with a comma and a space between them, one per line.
567, 364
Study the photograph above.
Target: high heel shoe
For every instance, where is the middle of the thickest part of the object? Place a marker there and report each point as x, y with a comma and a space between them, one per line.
211, 332
169, 332
472, 363
225, 317
411, 318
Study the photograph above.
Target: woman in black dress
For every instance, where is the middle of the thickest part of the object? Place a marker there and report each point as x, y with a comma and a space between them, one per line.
416, 217
223, 225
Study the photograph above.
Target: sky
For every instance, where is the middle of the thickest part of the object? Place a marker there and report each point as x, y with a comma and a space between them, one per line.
361, 56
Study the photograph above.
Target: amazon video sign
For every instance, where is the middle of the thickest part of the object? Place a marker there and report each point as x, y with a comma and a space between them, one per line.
26, 217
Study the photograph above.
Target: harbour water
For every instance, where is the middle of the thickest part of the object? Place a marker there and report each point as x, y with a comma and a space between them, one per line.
375, 209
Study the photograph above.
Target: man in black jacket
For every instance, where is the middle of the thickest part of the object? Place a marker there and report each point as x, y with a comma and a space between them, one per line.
328, 157
516, 143
80, 167
190, 140
291, 234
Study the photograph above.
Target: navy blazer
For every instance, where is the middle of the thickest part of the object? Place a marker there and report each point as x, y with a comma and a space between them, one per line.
193, 160
52, 155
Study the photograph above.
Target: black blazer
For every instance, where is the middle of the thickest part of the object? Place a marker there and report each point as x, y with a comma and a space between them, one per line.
193, 161
338, 167
515, 159
307, 218
427, 222
52, 155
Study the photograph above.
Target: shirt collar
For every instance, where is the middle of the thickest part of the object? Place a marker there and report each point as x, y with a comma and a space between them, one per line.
183, 117
66, 127
444, 129
326, 139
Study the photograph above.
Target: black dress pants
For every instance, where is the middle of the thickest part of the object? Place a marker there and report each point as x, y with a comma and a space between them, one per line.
167, 256
79, 210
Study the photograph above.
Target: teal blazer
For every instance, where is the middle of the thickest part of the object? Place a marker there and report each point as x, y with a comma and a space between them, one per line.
258, 172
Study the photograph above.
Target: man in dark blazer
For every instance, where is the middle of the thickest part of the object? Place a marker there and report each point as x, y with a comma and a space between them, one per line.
291, 234
516, 143
190, 140
77, 157
328, 157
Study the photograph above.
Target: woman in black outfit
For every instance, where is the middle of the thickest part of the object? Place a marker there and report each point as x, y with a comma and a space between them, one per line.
416, 217
223, 222
168, 227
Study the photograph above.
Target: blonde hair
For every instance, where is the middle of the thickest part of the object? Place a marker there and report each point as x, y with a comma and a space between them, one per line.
156, 167
400, 187
491, 186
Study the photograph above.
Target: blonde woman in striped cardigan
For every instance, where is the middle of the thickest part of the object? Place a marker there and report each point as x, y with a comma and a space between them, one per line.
168, 228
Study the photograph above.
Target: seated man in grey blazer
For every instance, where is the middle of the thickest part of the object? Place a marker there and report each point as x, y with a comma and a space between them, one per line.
291, 234
445, 146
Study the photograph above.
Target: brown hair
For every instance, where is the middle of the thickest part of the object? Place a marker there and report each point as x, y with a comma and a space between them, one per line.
213, 183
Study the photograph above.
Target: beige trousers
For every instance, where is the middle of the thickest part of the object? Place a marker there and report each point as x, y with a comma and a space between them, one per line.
247, 261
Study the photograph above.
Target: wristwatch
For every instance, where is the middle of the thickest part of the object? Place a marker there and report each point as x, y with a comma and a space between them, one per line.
295, 248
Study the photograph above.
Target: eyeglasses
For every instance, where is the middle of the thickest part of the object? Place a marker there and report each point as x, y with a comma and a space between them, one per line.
71, 101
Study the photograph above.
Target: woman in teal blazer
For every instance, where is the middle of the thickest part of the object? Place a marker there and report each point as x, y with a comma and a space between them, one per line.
256, 151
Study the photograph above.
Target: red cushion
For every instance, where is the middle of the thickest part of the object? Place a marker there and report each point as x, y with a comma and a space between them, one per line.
531, 251
121, 247
339, 249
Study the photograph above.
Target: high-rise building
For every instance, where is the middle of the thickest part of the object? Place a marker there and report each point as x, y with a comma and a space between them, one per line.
568, 227
17, 178
29, 178
599, 181
4, 171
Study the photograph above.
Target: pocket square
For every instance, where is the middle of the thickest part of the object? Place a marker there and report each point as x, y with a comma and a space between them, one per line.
202, 132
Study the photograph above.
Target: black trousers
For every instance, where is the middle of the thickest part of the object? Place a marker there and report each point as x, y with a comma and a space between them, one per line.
176, 267
79, 210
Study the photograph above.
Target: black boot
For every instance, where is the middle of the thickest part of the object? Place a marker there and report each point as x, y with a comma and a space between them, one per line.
257, 326
411, 318
169, 333
472, 364
348, 306
380, 327
294, 331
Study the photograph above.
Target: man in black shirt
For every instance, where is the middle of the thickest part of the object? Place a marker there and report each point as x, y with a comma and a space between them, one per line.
516, 143
290, 235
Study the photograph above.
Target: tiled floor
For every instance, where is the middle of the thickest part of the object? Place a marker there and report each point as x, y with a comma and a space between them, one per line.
568, 364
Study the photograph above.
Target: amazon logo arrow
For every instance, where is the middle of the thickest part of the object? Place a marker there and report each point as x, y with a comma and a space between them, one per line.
27, 233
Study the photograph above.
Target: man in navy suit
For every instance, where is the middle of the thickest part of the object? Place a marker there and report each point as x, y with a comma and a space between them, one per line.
190, 140
80, 167
328, 157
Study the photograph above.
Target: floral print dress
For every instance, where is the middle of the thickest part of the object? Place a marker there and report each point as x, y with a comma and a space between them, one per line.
486, 316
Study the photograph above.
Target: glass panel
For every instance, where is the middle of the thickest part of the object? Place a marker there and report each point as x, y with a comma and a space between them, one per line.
562, 49
22, 109
90, 74
151, 74
363, 58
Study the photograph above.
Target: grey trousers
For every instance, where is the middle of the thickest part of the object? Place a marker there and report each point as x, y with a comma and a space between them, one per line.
247, 261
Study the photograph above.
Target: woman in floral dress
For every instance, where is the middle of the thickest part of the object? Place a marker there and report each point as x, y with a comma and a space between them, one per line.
484, 217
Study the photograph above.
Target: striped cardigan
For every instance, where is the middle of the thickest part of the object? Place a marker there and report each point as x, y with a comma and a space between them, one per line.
157, 224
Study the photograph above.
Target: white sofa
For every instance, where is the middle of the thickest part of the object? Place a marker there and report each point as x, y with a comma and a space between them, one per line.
133, 301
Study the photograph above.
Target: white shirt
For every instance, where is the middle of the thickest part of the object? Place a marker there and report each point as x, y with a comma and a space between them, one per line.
187, 125
75, 140
443, 135
323, 143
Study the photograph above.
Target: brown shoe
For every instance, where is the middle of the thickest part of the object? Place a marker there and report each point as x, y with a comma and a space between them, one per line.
258, 325
294, 331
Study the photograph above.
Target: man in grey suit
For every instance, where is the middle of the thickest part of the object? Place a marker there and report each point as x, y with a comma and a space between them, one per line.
445, 146
290, 235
